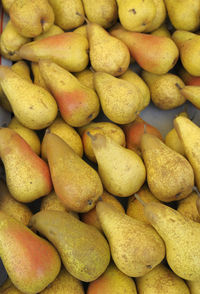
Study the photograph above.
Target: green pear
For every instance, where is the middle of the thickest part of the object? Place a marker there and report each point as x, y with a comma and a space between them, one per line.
83, 249
136, 248
170, 176
192, 93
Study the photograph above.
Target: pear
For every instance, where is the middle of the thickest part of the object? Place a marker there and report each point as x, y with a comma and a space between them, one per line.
170, 176
103, 12
82, 30
77, 103
136, 15
136, 248
86, 78
27, 175
32, 105
181, 236
120, 100
38, 79
69, 50
11, 41
188, 79
76, 183
107, 53
12, 290
194, 287
162, 31
83, 249
42, 17
192, 93
53, 31
188, 208
189, 133
118, 166
6, 4
184, 15
159, 17
161, 280
159, 60
112, 281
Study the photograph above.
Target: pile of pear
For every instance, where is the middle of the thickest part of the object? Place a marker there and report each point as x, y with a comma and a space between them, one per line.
93, 199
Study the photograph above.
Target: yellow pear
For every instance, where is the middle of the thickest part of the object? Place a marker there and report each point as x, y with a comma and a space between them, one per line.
162, 31
170, 176
188, 207
194, 287
82, 30
159, 17
11, 289
118, 166
53, 31
6, 4
86, 78
192, 94
38, 79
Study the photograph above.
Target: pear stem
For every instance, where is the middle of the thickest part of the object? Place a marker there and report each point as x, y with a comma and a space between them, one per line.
195, 189
139, 199
85, 18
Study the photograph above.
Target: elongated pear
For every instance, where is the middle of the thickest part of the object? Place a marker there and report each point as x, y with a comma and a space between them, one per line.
192, 93
107, 53
170, 176
83, 249
77, 103
159, 60
136, 248
31, 262
189, 133
76, 183
27, 175
69, 50
181, 236
121, 170
120, 100
32, 105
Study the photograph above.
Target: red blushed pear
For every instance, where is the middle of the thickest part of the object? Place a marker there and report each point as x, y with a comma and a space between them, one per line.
31, 262
153, 53
27, 175
188, 79
77, 103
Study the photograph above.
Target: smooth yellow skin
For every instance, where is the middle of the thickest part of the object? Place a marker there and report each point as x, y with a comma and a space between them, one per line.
28, 135
189, 133
83, 249
12, 207
183, 14
194, 287
161, 280
82, 30
32, 105
170, 176
192, 93
138, 82
112, 281
38, 79
54, 30
69, 14
159, 17
135, 247
102, 12
106, 128
165, 89
107, 53
120, 100
136, 15
135, 209
172, 140
11, 41
6, 4
67, 133
162, 31
31, 25
188, 208
181, 236
86, 78
118, 166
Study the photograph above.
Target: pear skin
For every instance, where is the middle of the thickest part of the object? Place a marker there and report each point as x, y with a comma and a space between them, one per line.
112, 281
192, 94
27, 175
76, 183
162, 31
6, 4
188, 208
31, 262
159, 17
69, 50
37, 77
194, 287
188, 79
54, 30
118, 166
82, 30
86, 78
83, 249
159, 60
136, 248
181, 236
77, 103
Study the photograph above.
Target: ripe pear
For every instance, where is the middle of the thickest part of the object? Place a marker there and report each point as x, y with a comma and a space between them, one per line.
189, 133
38, 79
107, 53
170, 176
6, 4
181, 236
69, 50
188, 208
161, 280
42, 17
27, 175
162, 31
188, 79
136, 15
32, 105
82, 30
103, 12
192, 93
136, 248
112, 281
159, 17
120, 100
194, 287
86, 78
83, 249
184, 15
53, 31
118, 166
12, 290
76, 183
77, 103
